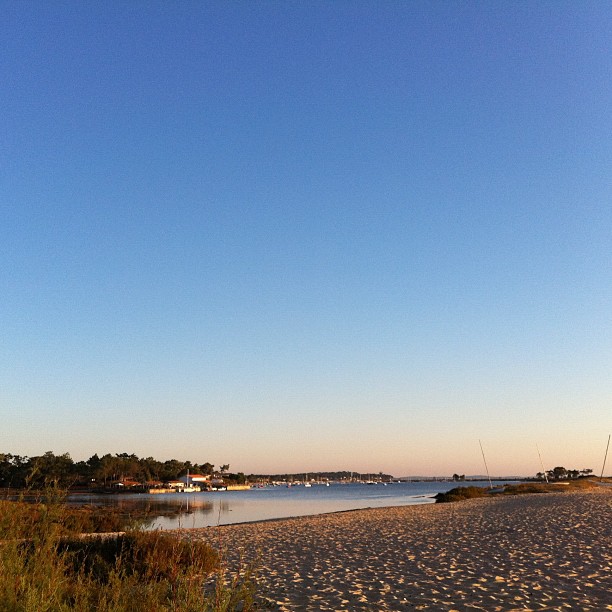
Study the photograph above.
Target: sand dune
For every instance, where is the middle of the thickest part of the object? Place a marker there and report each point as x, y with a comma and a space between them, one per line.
531, 552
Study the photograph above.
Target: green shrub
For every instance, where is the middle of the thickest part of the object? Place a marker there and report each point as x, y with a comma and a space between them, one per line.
460, 493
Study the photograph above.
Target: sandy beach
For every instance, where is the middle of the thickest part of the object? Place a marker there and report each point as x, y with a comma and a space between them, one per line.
530, 552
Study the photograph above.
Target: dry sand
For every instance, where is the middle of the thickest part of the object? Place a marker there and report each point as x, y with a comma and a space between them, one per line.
530, 552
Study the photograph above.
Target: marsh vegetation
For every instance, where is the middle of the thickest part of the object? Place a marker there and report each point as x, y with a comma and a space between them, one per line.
56, 558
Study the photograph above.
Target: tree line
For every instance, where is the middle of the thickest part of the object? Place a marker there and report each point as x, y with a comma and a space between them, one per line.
21, 472
560, 473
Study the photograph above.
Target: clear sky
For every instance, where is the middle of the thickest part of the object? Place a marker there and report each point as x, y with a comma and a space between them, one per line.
298, 236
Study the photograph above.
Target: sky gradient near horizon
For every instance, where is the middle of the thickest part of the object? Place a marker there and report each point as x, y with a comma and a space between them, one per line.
308, 236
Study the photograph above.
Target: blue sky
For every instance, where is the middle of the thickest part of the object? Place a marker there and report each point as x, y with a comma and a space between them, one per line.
304, 236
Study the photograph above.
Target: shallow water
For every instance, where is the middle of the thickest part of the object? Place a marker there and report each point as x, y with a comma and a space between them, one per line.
206, 509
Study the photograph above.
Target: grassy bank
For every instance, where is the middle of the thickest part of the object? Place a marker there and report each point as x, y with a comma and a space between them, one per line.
462, 493
52, 559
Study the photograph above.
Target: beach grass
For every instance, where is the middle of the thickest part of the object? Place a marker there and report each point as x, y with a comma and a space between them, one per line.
52, 559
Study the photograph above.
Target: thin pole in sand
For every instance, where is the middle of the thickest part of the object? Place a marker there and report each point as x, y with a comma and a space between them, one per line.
485, 462
543, 470
603, 467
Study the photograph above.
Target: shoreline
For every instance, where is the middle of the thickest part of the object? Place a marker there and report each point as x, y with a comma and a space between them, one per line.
297, 517
545, 551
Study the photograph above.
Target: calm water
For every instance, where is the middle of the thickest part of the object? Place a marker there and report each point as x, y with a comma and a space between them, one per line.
190, 510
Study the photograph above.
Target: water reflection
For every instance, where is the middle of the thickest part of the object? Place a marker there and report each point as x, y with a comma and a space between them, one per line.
148, 509
206, 509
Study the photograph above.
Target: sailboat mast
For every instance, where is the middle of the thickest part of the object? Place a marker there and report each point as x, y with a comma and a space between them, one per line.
603, 467
542, 464
485, 463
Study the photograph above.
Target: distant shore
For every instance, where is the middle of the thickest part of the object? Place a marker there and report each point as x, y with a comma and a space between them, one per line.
539, 551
